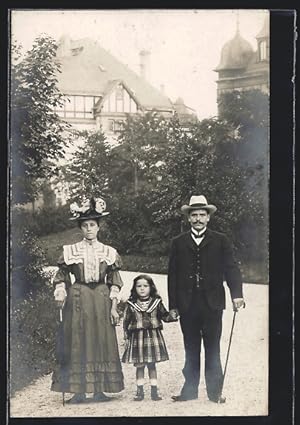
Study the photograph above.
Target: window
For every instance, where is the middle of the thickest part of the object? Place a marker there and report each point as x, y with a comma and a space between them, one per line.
115, 126
111, 126
263, 50
88, 107
119, 105
119, 93
119, 99
133, 107
118, 125
77, 107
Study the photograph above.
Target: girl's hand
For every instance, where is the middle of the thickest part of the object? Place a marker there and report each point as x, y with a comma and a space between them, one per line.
114, 317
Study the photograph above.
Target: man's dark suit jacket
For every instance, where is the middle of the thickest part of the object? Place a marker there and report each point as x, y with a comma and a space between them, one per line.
217, 265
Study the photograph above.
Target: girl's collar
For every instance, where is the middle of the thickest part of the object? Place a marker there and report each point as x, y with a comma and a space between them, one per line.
153, 303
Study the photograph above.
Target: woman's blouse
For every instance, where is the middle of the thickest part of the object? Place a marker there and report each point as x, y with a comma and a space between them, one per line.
90, 262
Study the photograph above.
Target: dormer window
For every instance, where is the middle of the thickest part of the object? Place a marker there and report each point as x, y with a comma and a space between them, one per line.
76, 51
262, 49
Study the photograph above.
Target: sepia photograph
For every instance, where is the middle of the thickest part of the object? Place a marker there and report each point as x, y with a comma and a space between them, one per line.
139, 213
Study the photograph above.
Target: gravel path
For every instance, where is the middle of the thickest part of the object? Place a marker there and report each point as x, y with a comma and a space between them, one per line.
246, 385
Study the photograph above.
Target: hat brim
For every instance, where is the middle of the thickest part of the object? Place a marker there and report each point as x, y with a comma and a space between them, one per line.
92, 216
186, 209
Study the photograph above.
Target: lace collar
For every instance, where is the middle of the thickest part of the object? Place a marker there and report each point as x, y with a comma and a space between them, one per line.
77, 253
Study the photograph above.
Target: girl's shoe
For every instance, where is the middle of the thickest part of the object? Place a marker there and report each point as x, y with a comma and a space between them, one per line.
139, 393
154, 394
77, 398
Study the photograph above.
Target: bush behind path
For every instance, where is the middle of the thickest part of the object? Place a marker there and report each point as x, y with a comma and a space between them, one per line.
33, 328
53, 243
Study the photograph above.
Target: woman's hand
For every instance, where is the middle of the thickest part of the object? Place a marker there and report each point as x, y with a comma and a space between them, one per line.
60, 295
114, 317
59, 304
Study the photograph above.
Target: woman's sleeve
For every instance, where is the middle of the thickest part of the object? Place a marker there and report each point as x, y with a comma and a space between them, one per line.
114, 279
62, 275
163, 313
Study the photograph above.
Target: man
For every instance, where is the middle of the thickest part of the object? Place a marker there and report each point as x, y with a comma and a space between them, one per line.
200, 260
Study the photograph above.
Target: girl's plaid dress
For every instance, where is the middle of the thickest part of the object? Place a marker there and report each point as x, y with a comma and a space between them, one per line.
142, 326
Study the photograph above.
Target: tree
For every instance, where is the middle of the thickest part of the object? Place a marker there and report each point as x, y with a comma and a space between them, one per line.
89, 169
199, 161
37, 134
140, 141
133, 174
248, 113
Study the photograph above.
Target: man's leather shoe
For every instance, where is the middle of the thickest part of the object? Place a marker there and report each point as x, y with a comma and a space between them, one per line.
220, 399
182, 397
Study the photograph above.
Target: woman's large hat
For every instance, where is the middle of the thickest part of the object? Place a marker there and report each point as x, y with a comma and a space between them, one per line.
198, 203
90, 209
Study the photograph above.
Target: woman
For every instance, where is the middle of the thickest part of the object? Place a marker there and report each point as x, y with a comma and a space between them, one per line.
87, 351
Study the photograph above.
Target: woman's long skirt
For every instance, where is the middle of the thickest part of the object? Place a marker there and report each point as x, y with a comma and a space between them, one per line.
87, 350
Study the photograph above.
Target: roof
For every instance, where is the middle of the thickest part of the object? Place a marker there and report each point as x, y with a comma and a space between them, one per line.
87, 68
235, 54
182, 108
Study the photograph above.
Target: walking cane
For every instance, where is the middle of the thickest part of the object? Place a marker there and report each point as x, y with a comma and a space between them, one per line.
61, 319
222, 399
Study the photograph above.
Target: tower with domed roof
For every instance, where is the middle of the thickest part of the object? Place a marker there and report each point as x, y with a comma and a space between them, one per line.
243, 68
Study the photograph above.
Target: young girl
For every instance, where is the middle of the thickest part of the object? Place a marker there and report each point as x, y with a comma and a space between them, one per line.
142, 324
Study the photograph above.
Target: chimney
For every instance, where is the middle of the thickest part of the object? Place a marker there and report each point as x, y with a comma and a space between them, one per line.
162, 88
64, 46
145, 64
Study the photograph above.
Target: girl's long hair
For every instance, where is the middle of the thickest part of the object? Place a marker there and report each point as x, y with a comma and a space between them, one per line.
153, 291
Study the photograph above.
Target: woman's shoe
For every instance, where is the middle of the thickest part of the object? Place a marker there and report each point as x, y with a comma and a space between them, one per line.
139, 393
100, 397
77, 398
154, 393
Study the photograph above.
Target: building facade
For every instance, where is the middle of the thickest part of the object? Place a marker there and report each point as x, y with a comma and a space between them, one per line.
243, 68
100, 90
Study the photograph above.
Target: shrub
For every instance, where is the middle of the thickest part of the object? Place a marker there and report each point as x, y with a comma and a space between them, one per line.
44, 221
27, 260
33, 328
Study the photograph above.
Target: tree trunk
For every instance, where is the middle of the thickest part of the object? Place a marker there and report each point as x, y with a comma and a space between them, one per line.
136, 183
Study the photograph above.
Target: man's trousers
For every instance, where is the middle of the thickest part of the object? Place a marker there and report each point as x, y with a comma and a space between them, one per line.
202, 322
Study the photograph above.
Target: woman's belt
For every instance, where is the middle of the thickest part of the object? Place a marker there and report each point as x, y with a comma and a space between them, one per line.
91, 285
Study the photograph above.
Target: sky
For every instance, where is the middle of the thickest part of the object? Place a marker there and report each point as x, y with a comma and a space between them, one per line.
185, 45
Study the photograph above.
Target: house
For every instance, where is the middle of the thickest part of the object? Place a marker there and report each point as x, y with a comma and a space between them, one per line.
100, 90
242, 68
184, 112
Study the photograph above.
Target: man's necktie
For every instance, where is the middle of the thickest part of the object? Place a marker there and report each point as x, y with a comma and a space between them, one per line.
198, 236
